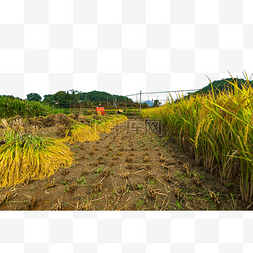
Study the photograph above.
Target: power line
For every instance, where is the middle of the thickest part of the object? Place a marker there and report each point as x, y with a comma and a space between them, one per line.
155, 92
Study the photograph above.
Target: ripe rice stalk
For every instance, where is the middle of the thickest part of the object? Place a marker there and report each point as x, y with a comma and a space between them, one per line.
217, 124
81, 133
30, 156
103, 127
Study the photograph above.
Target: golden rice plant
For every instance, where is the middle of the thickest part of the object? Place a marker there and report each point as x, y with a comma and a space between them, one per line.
220, 129
109, 123
30, 156
102, 128
80, 133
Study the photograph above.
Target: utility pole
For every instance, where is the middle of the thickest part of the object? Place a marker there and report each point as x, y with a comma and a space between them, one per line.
107, 103
140, 100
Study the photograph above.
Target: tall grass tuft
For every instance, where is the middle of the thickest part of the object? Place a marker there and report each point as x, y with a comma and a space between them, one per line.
219, 129
29, 155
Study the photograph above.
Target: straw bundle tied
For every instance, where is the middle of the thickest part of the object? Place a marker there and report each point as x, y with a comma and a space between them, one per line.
29, 155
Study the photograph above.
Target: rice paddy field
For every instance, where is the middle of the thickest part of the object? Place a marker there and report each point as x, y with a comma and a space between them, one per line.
217, 131
202, 161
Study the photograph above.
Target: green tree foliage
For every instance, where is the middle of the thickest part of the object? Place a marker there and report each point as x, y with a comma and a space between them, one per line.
88, 98
33, 97
48, 99
156, 103
61, 98
8, 96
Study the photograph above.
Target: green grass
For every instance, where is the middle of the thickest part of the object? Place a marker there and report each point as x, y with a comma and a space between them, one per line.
99, 170
81, 180
180, 174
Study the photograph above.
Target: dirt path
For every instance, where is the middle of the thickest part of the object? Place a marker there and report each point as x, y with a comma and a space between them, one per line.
127, 169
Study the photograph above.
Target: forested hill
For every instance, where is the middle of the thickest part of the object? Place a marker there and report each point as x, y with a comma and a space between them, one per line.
102, 96
221, 85
65, 98
72, 97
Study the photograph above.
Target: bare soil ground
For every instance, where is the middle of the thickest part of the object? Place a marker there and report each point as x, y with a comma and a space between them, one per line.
124, 170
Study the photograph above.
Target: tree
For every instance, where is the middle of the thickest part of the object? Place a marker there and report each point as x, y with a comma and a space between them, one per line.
33, 97
156, 103
8, 96
73, 96
48, 99
60, 97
